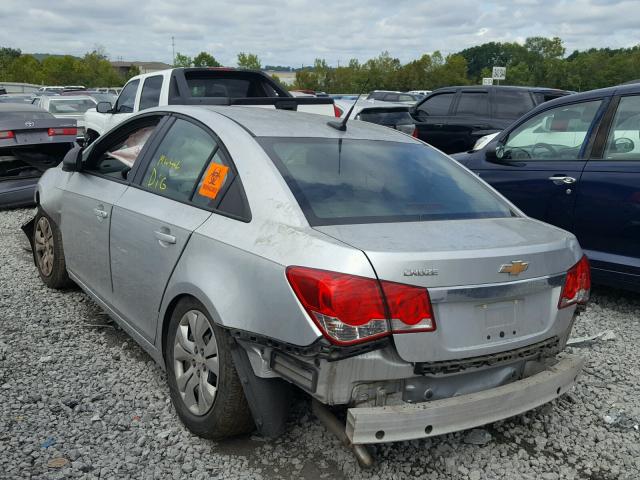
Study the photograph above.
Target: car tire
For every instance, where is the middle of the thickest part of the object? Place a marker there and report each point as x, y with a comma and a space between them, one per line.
193, 342
48, 252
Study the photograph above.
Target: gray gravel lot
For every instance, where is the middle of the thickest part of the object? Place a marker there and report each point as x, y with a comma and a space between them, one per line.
81, 399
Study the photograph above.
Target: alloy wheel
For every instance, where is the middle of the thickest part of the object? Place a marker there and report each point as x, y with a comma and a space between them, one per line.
44, 246
195, 362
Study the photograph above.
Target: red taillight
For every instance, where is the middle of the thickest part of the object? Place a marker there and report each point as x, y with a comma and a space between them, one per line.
415, 133
577, 285
62, 131
337, 111
6, 134
409, 308
349, 309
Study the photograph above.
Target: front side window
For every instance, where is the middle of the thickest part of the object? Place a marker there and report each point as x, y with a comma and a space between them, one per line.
179, 161
473, 103
115, 154
623, 142
127, 99
437, 104
555, 134
150, 95
348, 181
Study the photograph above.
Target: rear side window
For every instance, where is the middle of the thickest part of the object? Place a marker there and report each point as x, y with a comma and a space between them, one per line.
150, 96
511, 104
127, 99
179, 161
437, 104
473, 103
339, 181
203, 84
623, 142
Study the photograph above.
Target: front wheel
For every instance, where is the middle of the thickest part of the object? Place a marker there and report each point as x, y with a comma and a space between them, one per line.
48, 252
205, 389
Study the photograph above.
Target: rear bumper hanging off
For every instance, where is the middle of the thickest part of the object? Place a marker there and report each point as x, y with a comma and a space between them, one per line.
412, 421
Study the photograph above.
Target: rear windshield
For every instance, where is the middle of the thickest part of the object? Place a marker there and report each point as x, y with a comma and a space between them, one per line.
70, 106
26, 115
385, 117
338, 181
222, 84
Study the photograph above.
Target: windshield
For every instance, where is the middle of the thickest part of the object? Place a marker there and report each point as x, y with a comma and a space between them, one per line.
339, 181
71, 106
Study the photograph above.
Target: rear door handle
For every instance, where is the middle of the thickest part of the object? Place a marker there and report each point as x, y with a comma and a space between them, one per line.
100, 213
165, 237
562, 180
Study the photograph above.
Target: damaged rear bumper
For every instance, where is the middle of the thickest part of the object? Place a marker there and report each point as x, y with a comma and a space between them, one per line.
413, 421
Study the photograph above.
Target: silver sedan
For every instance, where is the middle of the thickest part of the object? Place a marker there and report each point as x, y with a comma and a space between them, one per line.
250, 250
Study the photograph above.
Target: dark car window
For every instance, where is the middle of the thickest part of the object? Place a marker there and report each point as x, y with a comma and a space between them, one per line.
437, 104
555, 134
115, 154
511, 104
473, 103
339, 181
150, 96
127, 99
204, 84
179, 161
391, 97
623, 142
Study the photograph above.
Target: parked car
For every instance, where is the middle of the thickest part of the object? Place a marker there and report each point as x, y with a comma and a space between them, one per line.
16, 98
49, 90
422, 93
248, 250
31, 141
452, 119
392, 96
111, 91
102, 97
199, 86
391, 115
68, 107
575, 162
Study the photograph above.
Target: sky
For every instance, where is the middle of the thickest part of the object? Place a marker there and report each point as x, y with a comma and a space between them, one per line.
295, 32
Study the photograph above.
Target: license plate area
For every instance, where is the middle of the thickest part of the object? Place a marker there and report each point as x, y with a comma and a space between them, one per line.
501, 319
31, 137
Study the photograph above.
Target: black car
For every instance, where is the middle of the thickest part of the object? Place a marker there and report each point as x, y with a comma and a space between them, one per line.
454, 118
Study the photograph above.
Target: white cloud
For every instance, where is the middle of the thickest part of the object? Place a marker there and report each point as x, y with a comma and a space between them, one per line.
294, 32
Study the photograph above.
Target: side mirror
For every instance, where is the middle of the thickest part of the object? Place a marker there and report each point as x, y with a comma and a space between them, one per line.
72, 161
104, 107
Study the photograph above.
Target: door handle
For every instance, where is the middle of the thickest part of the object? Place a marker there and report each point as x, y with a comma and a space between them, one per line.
100, 213
165, 237
562, 180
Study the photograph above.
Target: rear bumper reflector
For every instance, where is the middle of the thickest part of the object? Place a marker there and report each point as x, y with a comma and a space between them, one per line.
412, 421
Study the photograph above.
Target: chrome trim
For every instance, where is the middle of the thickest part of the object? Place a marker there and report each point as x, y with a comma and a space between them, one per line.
495, 290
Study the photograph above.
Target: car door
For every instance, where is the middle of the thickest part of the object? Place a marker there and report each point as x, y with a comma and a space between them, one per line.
125, 104
431, 116
471, 120
88, 199
152, 222
607, 212
538, 163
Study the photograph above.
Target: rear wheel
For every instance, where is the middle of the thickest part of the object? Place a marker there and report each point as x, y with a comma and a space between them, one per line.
204, 386
48, 253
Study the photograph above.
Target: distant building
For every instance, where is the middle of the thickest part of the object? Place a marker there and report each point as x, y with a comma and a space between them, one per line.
145, 67
288, 78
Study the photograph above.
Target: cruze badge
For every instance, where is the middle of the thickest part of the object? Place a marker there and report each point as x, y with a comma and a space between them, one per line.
420, 272
516, 267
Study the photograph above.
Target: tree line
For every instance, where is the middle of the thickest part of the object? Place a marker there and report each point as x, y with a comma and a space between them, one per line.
539, 61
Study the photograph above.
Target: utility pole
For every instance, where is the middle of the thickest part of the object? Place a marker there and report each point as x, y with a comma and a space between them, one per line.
173, 51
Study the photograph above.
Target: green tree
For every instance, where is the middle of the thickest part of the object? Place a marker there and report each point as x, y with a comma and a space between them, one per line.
203, 59
249, 60
7, 57
25, 68
182, 60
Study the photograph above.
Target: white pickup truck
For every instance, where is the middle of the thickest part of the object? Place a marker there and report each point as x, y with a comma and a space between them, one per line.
198, 86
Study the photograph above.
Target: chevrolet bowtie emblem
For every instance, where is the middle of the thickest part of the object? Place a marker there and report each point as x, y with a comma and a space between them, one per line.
516, 267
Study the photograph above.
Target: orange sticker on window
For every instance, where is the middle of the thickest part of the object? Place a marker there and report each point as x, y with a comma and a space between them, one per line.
213, 180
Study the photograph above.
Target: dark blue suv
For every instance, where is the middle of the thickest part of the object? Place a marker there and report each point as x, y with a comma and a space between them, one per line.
574, 162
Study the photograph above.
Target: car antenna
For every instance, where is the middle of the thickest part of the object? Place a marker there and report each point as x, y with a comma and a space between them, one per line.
342, 124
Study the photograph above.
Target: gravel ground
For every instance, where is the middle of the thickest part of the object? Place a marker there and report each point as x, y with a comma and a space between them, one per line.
81, 399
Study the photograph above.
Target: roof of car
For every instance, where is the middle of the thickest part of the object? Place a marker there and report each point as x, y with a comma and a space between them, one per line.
19, 107
591, 94
261, 122
498, 87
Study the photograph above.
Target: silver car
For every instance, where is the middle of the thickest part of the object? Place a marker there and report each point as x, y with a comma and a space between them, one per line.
250, 250
67, 107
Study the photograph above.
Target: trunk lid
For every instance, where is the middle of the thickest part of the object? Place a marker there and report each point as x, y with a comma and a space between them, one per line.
478, 310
